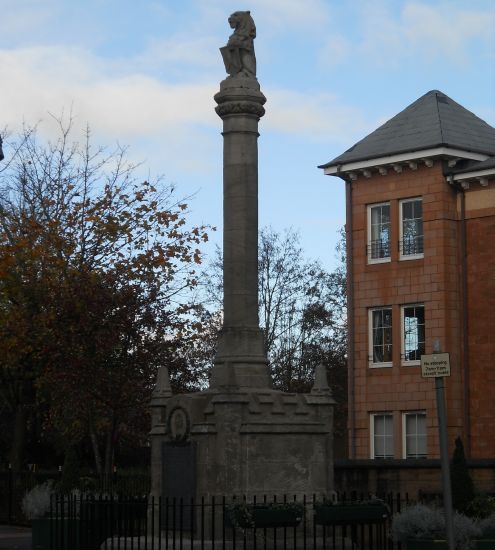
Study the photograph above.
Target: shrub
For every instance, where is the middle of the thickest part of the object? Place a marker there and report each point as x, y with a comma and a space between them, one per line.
487, 526
462, 484
420, 522
481, 507
36, 502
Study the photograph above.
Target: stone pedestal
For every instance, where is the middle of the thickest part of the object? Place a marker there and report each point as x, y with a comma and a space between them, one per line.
244, 442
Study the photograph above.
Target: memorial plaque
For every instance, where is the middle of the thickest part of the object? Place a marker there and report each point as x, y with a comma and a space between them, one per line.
435, 365
179, 482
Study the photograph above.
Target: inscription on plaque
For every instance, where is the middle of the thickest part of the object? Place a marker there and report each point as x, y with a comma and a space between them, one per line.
435, 365
179, 478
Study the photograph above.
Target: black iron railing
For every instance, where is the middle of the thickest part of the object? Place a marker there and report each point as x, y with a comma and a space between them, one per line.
411, 246
379, 249
289, 523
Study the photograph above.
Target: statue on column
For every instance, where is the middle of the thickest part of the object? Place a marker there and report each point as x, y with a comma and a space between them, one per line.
238, 54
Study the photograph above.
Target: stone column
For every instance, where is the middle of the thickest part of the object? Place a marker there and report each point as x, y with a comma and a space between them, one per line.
241, 360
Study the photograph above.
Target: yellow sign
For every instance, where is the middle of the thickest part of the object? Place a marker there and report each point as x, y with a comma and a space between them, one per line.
435, 365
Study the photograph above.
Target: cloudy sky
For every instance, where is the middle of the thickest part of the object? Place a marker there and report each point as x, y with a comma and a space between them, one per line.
143, 73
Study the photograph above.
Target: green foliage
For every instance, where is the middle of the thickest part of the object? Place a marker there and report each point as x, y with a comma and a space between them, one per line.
96, 273
481, 507
462, 484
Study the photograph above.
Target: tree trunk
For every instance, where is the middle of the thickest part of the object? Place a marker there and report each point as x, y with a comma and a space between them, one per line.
96, 450
109, 447
18, 443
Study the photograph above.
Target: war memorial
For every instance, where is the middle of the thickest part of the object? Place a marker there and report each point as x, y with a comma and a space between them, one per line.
240, 436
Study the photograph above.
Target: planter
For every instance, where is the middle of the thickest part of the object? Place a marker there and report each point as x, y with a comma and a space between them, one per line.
484, 544
48, 534
263, 516
427, 544
329, 514
40, 534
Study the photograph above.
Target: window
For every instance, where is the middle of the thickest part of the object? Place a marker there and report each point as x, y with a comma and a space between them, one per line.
380, 337
413, 333
411, 229
382, 435
379, 233
414, 434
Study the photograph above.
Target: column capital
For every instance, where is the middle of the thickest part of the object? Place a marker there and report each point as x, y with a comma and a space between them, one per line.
240, 95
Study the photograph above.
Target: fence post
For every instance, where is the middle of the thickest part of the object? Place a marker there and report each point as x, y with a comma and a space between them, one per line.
10, 491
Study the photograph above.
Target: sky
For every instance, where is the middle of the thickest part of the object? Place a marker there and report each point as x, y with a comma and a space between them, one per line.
144, 73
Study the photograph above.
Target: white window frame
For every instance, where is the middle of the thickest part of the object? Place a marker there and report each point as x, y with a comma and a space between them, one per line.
404, 433
404, 361
371, 363
403, 256
368, 240
372, 434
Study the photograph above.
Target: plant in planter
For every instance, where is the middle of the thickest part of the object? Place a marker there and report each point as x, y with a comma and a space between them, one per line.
36, 508
487, 533
481, 507
36, 502
422, 528
329, 512
267, 514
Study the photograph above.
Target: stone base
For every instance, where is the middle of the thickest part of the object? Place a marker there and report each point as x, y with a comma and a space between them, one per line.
240, 361
243, 443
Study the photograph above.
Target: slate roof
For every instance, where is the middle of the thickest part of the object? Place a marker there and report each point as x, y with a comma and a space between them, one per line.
433, 120
475, 166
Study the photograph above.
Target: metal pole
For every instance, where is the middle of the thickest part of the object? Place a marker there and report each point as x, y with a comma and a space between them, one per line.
444, 458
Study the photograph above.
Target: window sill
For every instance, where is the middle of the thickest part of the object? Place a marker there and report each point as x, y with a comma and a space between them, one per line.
411, 257
380, 365
410, 363
373, 261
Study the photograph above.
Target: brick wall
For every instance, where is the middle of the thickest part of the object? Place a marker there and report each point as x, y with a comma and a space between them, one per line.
414, 477
480, 240
433, 281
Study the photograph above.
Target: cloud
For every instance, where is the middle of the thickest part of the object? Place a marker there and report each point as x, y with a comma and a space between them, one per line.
46, 79
336, 50
271, 15
445, 31
316, 116
415, 33
279, 14
21, 19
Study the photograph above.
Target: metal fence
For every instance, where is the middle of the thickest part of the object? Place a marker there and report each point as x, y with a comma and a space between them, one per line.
14, 485
289, 523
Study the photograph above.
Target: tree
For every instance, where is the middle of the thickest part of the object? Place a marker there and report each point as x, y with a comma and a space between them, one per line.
302, 310
95, 268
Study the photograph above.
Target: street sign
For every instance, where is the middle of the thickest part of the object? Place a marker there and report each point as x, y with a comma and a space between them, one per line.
435, 365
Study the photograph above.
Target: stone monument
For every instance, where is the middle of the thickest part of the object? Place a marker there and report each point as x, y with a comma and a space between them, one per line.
240, 436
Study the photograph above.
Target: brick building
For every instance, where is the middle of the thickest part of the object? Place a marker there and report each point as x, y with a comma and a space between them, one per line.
421, 276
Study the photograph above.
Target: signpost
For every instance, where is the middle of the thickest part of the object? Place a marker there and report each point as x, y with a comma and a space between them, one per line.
437, 365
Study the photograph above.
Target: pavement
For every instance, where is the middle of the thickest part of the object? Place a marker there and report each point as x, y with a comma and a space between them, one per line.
15, 538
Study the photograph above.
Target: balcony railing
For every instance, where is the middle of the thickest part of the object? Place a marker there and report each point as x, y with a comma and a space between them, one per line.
379, 249
411, 246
